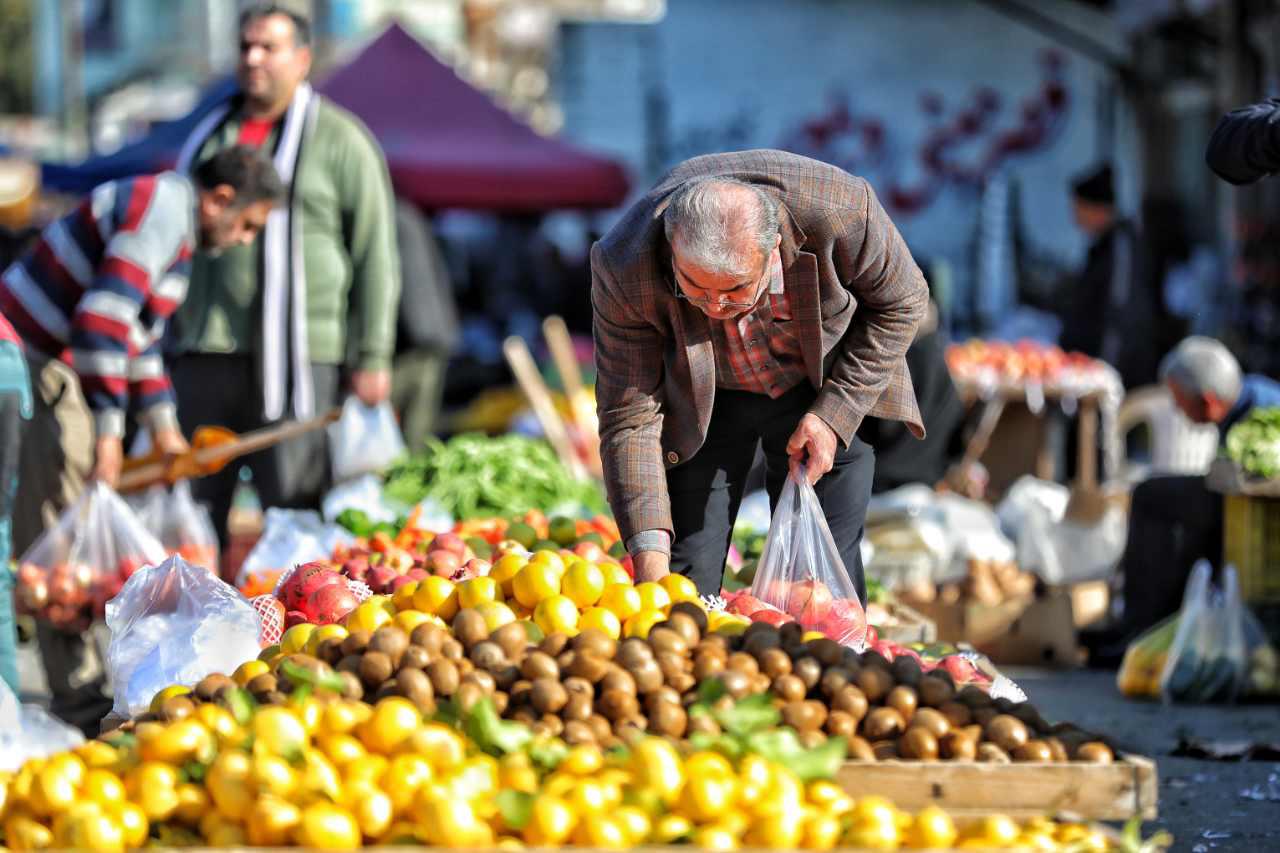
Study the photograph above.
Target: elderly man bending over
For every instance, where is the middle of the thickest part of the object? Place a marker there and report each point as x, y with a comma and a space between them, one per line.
1175, 521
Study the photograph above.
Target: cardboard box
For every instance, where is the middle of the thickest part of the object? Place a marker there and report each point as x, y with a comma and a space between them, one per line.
1020, 631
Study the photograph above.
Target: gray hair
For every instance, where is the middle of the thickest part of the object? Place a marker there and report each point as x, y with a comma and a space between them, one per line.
711, 223
1200, 366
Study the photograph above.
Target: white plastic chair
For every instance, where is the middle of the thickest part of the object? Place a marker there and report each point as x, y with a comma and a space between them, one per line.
1178, 446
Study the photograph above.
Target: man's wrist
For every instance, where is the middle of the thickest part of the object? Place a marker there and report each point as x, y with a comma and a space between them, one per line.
650, 540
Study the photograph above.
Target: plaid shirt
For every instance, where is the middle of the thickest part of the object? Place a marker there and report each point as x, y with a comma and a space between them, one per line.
759, 351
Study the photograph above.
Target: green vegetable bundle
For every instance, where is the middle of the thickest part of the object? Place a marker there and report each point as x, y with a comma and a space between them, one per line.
1254, 443
478, 476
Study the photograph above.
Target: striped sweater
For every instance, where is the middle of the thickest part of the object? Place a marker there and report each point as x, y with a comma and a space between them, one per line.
97, 287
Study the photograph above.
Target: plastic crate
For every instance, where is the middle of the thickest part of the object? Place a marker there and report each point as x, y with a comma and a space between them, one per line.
1251, 542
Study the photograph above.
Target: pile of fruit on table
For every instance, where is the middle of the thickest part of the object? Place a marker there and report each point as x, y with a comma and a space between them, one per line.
535, 698
1001, 364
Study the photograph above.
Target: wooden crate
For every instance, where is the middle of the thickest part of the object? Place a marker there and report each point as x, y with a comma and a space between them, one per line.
1116, 791
912, 626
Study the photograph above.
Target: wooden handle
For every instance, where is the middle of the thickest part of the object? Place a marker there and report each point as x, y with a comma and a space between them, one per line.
561, 346
982, 434
526, 372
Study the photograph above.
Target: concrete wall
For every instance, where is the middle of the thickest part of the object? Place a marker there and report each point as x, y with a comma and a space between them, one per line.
816, 75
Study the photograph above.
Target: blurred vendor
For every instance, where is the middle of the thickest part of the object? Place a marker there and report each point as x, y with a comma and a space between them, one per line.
756, 296
15, 407
1109, 311
1175, 521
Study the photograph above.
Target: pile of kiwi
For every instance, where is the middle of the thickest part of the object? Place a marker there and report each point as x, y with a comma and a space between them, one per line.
593, 689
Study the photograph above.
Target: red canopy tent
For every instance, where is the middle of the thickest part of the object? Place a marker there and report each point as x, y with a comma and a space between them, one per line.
449, 145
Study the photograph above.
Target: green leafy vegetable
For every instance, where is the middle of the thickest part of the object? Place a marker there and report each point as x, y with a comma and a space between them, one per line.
493, 734
1254, 443
478, 476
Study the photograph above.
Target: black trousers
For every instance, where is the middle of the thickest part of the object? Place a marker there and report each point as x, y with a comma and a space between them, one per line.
224, 390
707, 490
1173, 522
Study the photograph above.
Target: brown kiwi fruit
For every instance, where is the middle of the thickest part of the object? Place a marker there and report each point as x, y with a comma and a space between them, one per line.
375, 668
176, 708
430, 637
931, 721
633, 651
833, 679
350, 663
800, 716
648, 676
957, 714
826, 650
579, 707
906, 670
706, 667
548, 696
667, 640
716, 644
974, 697
521, 693
934, 692
989, 753
983, 716
774, 662
875, 683
352, 687
589, 666
415, 657
841, 724
211, 685
484, 679
600, 727
920, 744
958, 746
1095, 752
1057, 751
704, 724
885, 750
506, 676
759, 638
330, 650
812, 738
554, 725
671, 665
789, 688
469, 628
391, 640
487, 655
513, 638
444, 676
539, 665
618, 678
883, 723
357, 641
1006, 732
742, 662
737, 683
860, 749
904, 699
694, 612
451, 649
852, 701
618, 705
668, 719
554, 643
596, 642
1033, 750
577, 732
808, 670
416, 687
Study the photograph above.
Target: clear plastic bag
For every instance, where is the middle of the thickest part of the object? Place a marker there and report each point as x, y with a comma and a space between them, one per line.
801, 573
363, 493
365, 440
69, 574
182, 525
290, 537
175, 623
29, 731
1208, 661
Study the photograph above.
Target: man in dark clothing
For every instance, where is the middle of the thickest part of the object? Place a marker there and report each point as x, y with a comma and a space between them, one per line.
1245, 146
1175, 521
1111, 308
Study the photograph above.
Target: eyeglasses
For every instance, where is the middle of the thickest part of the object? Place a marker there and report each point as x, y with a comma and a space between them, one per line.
702, 302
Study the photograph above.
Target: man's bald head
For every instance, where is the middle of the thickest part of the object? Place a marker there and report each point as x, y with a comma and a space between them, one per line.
722, 225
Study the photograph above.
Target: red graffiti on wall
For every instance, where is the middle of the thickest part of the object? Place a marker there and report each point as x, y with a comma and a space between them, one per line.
963, 148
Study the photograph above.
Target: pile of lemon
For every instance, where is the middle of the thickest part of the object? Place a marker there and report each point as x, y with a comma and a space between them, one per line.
330, 773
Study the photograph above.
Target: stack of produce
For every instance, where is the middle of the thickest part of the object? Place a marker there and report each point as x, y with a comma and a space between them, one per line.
325, 772
989, 583
1254, 443
1001, 365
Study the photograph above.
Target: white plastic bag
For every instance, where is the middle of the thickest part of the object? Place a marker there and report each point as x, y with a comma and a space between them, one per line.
1026, 495
365, 494
1209, 658
975, 535
175, 623
1066, 552
365, 440
290, 537
801, 572
182, 525
29, 731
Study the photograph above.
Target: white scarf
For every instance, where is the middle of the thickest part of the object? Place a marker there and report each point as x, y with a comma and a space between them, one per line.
284, 283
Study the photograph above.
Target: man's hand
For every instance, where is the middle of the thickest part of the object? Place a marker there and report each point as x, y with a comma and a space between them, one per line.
651, 565
170, 442
108, 459
371, 386
814, 445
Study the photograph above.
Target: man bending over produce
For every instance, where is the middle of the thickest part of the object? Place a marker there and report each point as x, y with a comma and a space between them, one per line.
90, 301
1175, 521
751, 296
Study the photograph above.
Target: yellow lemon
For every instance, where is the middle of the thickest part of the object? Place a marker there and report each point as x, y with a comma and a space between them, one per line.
679, 588
436, 595
369, 616
622, 599
496, 614
614, 573
732, 626
549, 558
505, 570
407, 620
583, 583
639, 624
557, 613
476, 591
536, 582
168, 693
601, 619
653, 596
248, 671
402, 598
322, 633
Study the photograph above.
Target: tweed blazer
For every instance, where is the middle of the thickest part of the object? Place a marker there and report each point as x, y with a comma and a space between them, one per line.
856, 298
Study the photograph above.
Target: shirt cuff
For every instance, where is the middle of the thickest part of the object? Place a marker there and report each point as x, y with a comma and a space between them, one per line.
650, 540
109, 422
162, 417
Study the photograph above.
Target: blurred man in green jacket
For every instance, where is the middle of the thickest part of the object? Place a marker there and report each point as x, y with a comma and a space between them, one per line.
277, 330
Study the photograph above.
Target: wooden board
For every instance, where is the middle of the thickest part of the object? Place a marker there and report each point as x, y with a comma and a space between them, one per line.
1086, 791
